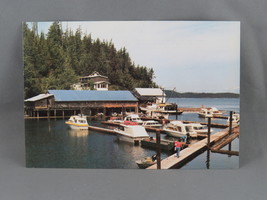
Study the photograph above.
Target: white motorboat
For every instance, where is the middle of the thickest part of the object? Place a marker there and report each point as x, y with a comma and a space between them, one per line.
77, 122
179, 129
133, 118
215, 111
235, 119
204, 112
151, 123
115, 120
131, 133
199, 128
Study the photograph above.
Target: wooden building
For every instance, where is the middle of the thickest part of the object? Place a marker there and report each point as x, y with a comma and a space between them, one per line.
99, 82
154, 95
88, 102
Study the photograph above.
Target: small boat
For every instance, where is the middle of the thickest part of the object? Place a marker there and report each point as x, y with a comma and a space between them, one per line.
179, 129
151, 123
204, 112
133, 118
77, 122
199, 128
131, 132
147, 162
235, 119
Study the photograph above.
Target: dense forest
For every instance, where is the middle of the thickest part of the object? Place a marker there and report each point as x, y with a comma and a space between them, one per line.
173, 94
57, 59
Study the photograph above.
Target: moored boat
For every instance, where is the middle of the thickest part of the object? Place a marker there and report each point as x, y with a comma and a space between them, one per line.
77, 122
179, 129
151, 123
235, 119
199, 128
204, 112
131, 132
147, 162
133, 118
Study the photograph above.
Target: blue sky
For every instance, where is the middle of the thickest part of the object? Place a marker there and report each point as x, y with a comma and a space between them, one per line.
192, 56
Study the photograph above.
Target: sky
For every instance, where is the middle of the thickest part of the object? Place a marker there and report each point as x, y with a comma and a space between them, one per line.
190, 56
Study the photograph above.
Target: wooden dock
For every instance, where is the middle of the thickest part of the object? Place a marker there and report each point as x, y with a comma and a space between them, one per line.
190, 152
101, 129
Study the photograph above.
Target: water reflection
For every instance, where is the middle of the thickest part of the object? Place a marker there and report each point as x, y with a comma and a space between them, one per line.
208, 159
78, 133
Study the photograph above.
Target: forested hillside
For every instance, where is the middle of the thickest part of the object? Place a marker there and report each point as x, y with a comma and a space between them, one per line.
56, 61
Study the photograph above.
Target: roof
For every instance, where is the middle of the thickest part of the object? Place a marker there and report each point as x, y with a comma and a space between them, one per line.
92, 95
97, 82
38, 97
150, 91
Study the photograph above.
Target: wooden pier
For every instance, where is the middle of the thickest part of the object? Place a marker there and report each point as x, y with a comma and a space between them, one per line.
190, 152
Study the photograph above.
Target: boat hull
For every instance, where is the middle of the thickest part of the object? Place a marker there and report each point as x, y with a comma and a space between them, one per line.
77, 127
143, 164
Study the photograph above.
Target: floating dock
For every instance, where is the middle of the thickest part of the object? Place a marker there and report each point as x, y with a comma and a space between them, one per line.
190, 152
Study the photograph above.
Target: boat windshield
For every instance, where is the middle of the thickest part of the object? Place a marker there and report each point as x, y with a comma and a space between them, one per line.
188, 128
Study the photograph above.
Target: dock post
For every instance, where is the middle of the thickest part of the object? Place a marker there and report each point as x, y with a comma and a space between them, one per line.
37, 114
158, 149
176, 109
230, 129
63, 114
209, 124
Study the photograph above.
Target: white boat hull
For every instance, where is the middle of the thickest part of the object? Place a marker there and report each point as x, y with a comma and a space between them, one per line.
204, 115
177, 134
77, 127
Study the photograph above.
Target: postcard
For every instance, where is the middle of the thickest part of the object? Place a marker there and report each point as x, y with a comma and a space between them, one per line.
132, 94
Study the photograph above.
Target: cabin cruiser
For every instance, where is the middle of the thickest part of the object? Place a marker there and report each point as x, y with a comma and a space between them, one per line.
199, 128
204, 112
77, 122
131, 132
235, 119
151, 123
215, 111
133, 118
161, 111
115, 120
179, 129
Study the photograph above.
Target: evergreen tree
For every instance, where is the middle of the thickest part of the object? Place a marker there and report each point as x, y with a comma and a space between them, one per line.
57, 59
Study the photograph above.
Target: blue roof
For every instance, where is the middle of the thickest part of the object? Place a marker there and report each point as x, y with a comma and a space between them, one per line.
92, 95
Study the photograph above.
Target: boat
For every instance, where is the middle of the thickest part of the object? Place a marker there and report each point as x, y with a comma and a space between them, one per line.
147, 162
115, 120
179, 129
131, 132
204, 112
215, 111
151, 123
235, 119
77, 122
160, 111
199, 128
133, 118
152, 143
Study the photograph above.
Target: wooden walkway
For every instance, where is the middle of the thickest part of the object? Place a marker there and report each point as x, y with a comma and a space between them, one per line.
190, 152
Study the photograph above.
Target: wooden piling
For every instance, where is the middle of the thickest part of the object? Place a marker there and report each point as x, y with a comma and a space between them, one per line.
209, 122
230, 130
158, 149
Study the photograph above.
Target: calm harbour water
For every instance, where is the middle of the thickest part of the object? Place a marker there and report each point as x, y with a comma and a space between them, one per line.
51, 144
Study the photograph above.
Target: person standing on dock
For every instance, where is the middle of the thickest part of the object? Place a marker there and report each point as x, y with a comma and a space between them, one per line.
178, 145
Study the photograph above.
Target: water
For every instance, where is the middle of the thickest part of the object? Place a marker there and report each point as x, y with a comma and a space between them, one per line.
227, 104
51, 144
